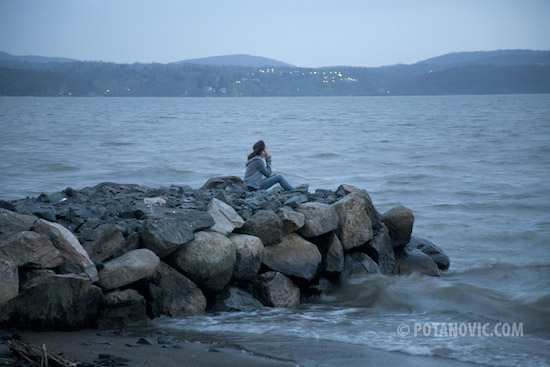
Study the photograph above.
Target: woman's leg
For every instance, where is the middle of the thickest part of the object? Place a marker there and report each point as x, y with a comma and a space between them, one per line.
272, 180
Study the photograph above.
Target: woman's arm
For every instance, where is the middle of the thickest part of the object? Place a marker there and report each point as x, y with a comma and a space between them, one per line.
265, 170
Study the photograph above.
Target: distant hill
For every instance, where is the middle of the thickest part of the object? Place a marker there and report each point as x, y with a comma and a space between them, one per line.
237, 60
4, 56
494, 58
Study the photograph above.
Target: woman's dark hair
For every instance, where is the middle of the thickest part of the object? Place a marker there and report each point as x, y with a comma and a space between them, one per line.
258, 148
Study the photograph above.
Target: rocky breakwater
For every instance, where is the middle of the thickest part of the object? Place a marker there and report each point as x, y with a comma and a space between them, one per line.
110, 255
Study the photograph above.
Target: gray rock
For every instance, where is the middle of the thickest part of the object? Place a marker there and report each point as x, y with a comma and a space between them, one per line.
266, 225
75, 257
235, 299
31, 250
412, 260
164, 236
10, 282
51, 301
208, 260
292, 220
399, 221
371, 210
15, 222
274, 289
295, 200
354, 225
293, 256
225, 217
128, 268
334, 260
249, 255
319, 219
120, 309
358, 264
441, 259
174, 295
381, 250
216, 181
108, 241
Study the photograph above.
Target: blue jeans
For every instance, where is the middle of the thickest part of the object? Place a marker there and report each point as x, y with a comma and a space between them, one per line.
272, 180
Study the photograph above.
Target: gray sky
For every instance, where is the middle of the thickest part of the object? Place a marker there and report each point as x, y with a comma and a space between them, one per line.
304, 33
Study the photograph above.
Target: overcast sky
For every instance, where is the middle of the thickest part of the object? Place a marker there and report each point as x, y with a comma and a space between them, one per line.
304, 33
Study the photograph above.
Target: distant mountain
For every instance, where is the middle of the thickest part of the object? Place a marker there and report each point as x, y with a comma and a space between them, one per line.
236, 60
4, 56
493, 58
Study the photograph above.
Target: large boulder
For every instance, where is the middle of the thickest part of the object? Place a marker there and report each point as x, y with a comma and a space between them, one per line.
235, 299
15, 222
249, 255
31, 250
320, 218
164, 236
108, 241
371, 210
381, 250
354, 225
441, 259
10, 282
358, 264
56, 301
293, 256
334, 259
225, 217
399, 221
128, 268
209, 260
266, 225
75, 257
120, 309
216, 181
412, 260
291, 219
173, 294
274, 289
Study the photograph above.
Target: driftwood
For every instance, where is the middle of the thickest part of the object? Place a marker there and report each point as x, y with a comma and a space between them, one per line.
38, 356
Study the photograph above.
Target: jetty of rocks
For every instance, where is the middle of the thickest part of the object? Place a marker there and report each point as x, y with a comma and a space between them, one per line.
114, 254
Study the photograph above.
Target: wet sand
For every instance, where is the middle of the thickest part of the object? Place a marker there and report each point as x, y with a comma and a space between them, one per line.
197, 349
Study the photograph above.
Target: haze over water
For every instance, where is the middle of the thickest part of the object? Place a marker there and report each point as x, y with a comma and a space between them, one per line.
474, 170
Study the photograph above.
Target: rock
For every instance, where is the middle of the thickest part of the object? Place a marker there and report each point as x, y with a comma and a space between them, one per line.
381, 250
319, 219
10, 282
249, 255
31, 250
173, 294
441, 259
75, 257
164, 236
274, 289
334, 260
214, 182
295, 200
209, 260
399, 221
411, 260
52, 301
128, 268
225, 217
266, 225
354, 225
293, 256
14, 222
358, 264
292, 220
371, 210
235, 299
154, 201
120, 309
108, 241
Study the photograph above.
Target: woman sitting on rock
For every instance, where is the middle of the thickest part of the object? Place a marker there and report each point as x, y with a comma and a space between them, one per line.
256, 169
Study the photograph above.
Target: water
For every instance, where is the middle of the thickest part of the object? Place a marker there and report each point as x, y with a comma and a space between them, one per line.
474, 170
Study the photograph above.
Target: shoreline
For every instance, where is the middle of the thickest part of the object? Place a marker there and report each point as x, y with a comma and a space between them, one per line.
189, 348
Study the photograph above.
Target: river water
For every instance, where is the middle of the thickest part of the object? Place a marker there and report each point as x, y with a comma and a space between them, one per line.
474, 169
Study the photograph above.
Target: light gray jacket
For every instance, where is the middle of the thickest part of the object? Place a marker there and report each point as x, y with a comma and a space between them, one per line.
255, 170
